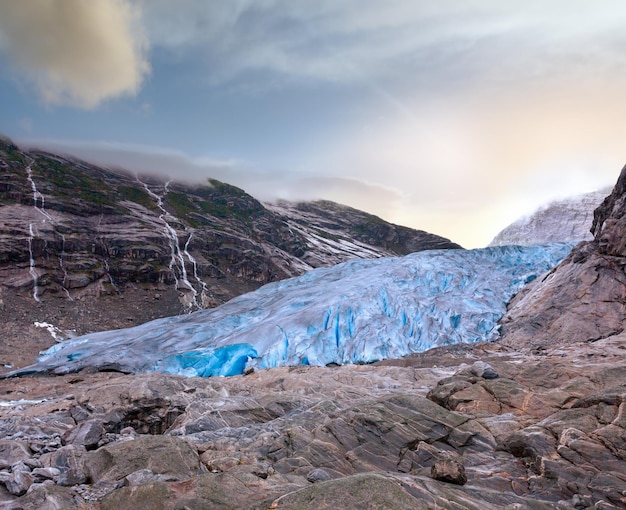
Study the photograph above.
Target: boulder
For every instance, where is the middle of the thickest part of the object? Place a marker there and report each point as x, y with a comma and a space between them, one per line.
12, 452
363, 491
19, 482
70, 461
51, 497
87, 434
170, 457
450, 471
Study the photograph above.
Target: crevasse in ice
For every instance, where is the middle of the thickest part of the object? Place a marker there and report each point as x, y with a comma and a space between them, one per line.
358, 311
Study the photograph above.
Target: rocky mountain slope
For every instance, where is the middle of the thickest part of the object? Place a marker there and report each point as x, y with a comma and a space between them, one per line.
584, 299
524, 422
84, 248
562, 220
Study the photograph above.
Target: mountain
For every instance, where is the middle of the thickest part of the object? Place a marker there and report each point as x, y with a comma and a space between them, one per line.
534, 420
355, 312
563, 220
584, 299
83, 248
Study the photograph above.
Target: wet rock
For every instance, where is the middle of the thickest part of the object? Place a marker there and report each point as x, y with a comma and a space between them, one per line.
449, 471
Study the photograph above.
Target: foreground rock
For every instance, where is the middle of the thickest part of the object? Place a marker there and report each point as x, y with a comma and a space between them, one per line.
546, 433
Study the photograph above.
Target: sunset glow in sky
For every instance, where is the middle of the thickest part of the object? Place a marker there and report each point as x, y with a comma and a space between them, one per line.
455, 117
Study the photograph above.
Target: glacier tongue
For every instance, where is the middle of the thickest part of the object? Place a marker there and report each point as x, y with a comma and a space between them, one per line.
358, 311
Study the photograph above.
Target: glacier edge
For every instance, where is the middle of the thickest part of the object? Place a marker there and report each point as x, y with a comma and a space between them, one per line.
357, 311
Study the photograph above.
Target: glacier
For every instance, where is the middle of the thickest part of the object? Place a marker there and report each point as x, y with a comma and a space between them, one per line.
356, 312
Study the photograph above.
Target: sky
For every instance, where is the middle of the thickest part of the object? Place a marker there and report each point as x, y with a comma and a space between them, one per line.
455, 117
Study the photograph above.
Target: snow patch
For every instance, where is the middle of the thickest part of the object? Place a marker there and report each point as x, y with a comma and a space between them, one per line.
53, 330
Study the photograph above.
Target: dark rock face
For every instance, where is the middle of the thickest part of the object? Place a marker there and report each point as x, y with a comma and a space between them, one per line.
584, 298
85, 249
337, 231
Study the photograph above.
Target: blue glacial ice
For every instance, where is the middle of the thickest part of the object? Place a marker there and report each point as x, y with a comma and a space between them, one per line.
358, 311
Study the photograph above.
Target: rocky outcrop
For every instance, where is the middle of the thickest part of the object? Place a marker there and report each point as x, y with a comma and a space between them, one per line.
84, 249
584, 298
562, 220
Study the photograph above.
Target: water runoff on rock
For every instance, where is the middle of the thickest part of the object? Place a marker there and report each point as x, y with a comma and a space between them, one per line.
38, 199
177, 261
358, 311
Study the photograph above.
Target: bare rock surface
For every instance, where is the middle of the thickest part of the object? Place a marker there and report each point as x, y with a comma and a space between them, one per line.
547, 433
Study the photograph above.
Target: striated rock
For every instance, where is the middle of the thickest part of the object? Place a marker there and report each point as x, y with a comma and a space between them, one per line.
359, 491
542, 432
215, 491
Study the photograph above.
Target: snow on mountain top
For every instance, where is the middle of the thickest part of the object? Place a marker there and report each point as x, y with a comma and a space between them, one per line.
563, 220
358, 311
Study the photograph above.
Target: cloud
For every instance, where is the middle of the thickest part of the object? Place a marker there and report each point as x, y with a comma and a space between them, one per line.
74, 52
358, 41
264, 185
